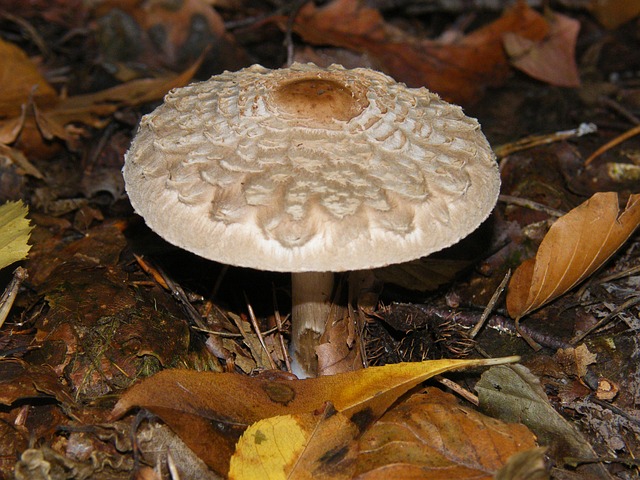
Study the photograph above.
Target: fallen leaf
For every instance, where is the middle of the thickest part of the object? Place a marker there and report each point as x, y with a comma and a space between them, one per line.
14, 233
209, 411
29, 103
20, 80
576, 245
91, 109
12, 443
319, 445
574, 361
96, 331
166, 35
613, 13
514, 394
459, 71
552, 59
337, 352
527, 465
20, 380
432, 436
20, 161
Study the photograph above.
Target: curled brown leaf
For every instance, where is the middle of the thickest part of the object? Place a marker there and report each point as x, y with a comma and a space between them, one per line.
575, 247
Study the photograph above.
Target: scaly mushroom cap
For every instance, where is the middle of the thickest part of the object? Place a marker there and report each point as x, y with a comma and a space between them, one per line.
310, 169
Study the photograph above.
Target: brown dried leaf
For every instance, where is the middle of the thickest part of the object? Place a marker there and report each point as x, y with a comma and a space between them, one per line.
576, 245
575, 361
338, 352
20, 80
12, 443
209, 411
432, 436
91, 109
552, 59
20, 161
613, 13
459, 71
167, 34
20, 380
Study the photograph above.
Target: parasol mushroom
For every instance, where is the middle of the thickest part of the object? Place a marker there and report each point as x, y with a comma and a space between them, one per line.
310, 171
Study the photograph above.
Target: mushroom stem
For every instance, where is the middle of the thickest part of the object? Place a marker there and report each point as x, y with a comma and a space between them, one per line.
311, 304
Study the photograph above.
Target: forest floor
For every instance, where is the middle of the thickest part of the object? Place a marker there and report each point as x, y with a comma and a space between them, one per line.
108, 303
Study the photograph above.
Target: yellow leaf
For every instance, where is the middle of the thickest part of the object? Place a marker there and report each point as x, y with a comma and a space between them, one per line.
576, 245
303, 446
14, 233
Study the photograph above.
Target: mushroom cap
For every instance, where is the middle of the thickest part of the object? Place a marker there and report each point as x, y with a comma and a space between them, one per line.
310, 169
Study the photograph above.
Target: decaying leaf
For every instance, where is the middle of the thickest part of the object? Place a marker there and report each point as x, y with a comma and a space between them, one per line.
552, 59
576, 245
97, 331
14, 233
514, 394
28, 101
167, 35
319, 445
432, 436
337, 352
91, 109
20, 380
574, 361
459, 70
613, 13
210, 411
527, 465
20, 80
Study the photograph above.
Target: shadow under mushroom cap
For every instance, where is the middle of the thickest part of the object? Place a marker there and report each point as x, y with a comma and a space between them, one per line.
310, 169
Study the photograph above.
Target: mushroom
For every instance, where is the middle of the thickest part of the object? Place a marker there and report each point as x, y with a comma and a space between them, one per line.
310, 171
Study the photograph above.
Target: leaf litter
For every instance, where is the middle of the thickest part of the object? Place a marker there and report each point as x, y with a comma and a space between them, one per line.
89, 323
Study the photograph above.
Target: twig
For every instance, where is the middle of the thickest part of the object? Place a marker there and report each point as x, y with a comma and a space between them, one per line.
576, 462
492, 303
30, 30
230, 334
466, 394
214, 343
619, 109
11, 292
620, 274
612, 143
532, 343
256, 327
535, 140
171, 466
628, 304
615, 409
279, 324
524, 202
496, 321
